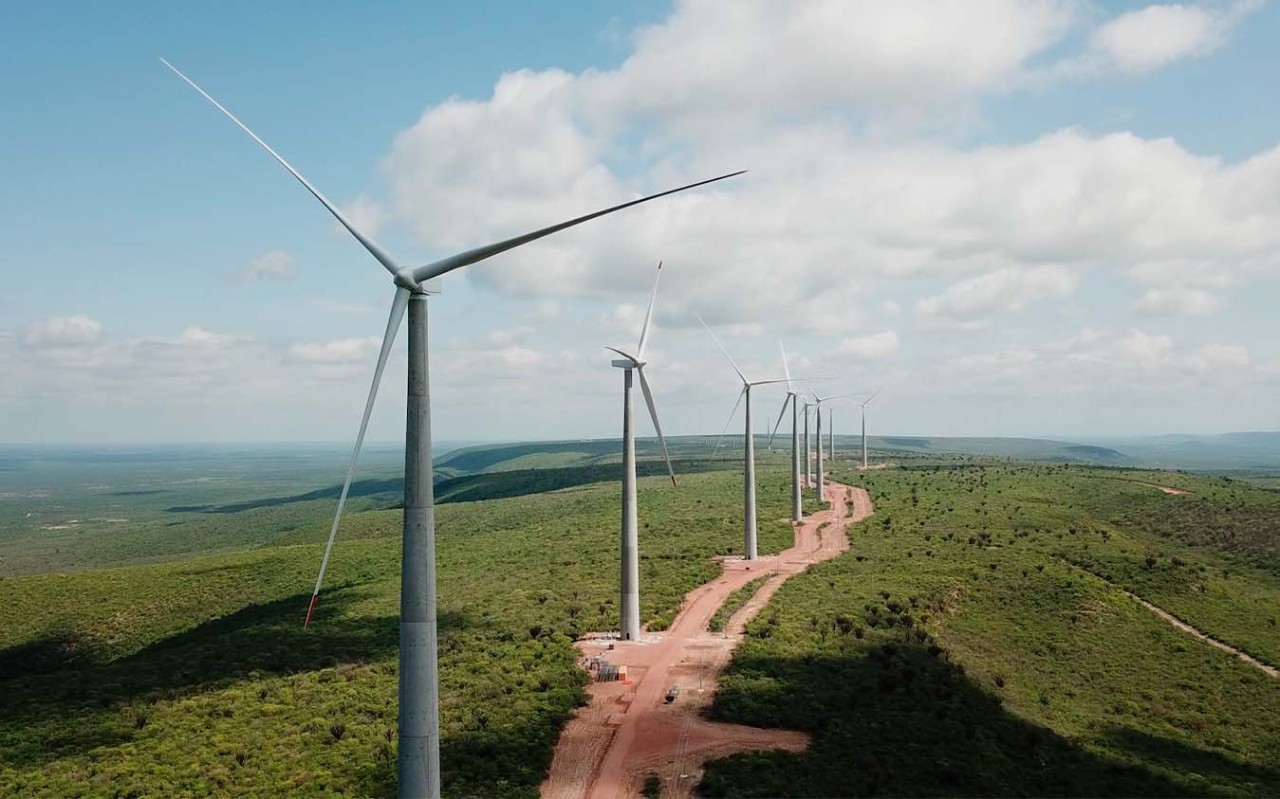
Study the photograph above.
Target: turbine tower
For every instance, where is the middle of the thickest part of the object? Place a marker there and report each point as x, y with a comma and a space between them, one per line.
629, 582
831, 435
864, 405
749, 452
793, 397
817, 401
418, 763
808, 455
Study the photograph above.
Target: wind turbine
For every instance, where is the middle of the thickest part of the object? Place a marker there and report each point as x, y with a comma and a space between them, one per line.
793, 397
817, 401
629, 599
749, 454
831, 435
418, 763
864, 405
808, 453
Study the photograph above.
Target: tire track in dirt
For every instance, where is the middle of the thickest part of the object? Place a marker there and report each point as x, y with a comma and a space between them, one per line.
627, 732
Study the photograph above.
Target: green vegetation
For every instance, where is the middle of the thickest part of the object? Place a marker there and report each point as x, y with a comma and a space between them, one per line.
974, 640
956, 649
195, 676
734, 603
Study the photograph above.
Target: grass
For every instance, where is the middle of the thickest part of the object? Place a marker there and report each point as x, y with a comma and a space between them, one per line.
733, 603
974, 640
196, 677
956, 650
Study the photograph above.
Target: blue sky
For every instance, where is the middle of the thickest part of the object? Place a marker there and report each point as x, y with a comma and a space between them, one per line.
1047, 218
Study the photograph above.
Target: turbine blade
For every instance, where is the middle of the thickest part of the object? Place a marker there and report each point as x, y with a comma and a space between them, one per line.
648, 315
785, 368
374, 250
867, 401
781, 414
626, 355
722, 349
728, 421
437, 268
657, 426
398, 305
767, 382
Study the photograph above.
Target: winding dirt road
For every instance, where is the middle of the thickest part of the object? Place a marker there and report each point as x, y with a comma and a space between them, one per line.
629, 731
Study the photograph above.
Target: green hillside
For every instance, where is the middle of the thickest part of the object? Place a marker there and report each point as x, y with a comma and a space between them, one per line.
976, 639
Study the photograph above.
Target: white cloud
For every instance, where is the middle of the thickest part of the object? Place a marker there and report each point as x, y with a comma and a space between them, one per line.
337, 351
977, 299
1153, 37
1215, 356
874, 347
273, 265
63, 331
366, 214
1003, 364
1145, 349
727, 59
1177, 300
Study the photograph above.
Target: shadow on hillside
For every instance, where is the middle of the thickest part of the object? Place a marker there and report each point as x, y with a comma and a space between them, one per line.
900, 719
359, 488
473, 487
257, 640
1182, 757
508, 761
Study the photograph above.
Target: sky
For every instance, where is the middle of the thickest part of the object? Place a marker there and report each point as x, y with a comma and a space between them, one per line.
1025, 217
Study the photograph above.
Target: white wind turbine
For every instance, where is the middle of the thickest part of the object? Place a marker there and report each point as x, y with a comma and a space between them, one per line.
808, 451
817, 401
793, 397
629, 600
749, 452
864, 405
418, 763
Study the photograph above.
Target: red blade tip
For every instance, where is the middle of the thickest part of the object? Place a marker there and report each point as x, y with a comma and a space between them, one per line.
310, 609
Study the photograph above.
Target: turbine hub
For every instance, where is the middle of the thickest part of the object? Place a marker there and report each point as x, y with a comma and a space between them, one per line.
404, 279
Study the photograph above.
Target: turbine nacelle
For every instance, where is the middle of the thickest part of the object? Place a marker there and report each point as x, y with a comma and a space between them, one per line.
404, 279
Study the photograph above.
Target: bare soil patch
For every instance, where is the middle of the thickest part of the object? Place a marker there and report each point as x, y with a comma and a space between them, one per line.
629, 731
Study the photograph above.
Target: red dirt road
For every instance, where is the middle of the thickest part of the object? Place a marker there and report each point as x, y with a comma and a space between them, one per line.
628, 731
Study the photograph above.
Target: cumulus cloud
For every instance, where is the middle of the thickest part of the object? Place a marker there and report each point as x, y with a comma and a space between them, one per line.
1153, 37
63, 331
1216, 356
1177, 301
337, 351
975, 300
874, 347
366, 214
273, 265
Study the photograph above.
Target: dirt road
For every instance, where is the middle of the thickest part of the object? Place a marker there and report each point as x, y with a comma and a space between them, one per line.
628, 732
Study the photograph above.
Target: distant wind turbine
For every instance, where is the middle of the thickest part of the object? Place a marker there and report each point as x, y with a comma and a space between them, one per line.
864, 405
793, 397
817, 401
831, 435
749, 455
418, 763
808, 452
629, 600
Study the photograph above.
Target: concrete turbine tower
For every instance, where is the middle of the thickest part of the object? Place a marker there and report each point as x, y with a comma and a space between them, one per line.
793, 398
808, 453
864, 405
629, 583
418, 763
749, 454
817, 401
